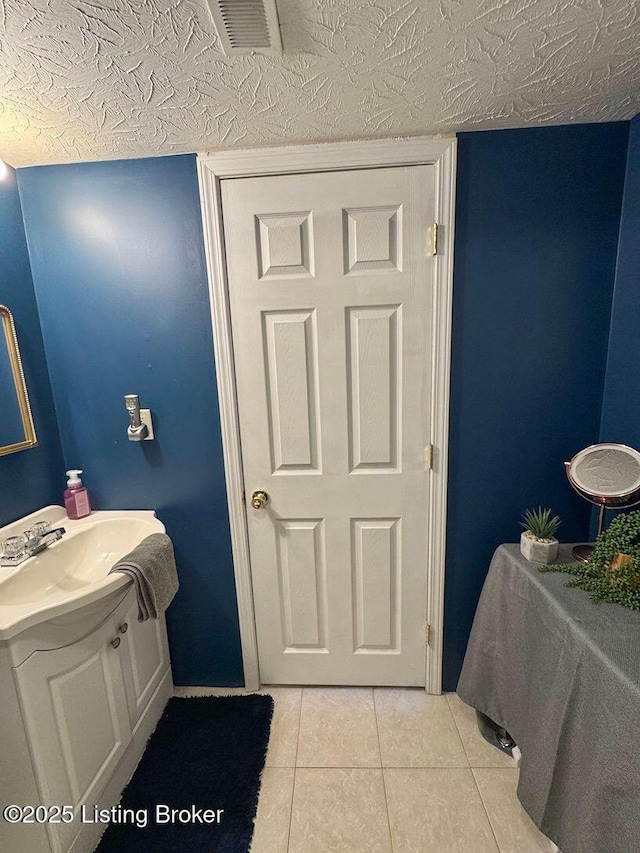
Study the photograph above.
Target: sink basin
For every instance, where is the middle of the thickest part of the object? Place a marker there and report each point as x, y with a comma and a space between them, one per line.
72, 572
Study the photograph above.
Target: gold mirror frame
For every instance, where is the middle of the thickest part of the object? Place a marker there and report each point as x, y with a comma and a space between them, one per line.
22, 397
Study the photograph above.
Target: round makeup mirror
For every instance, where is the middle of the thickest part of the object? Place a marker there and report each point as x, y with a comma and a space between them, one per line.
607, 475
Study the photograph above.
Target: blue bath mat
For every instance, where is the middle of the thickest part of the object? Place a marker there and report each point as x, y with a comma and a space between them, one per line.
197, 784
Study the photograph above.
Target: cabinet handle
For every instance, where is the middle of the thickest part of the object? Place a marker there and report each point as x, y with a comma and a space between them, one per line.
124, 628
115, 642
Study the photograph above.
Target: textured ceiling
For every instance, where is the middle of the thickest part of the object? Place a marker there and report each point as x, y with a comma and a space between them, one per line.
95, 79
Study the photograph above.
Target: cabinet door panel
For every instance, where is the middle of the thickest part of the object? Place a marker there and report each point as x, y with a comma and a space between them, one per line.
147, 657
76, 717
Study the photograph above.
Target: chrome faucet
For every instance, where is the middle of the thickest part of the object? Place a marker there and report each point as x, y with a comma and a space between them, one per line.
37, 542
17, 549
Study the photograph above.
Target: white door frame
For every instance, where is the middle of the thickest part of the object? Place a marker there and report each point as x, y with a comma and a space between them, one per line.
212, 168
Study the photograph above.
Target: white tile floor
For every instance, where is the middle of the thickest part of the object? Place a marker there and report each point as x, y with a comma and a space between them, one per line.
384, 771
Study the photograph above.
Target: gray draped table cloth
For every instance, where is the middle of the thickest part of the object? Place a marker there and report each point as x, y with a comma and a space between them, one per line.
562, 675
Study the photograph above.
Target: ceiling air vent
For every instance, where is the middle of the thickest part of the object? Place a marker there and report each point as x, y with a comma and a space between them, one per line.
247, 26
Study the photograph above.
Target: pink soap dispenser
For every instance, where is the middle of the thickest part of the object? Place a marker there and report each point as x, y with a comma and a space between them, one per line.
76, 497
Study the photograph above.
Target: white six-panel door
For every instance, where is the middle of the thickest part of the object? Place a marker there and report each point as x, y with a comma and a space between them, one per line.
330, 279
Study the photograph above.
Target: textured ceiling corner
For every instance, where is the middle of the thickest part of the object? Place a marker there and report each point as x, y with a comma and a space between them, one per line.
97, 79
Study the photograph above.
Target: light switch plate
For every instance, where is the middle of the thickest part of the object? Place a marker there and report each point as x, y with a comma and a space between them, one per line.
145, 417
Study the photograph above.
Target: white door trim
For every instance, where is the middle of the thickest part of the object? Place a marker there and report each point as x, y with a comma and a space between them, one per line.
212, 168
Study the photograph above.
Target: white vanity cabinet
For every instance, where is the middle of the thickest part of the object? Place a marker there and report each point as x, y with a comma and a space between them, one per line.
89, 690
146, 655
76, 717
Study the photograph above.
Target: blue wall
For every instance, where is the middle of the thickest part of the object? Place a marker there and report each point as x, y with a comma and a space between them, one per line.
31, 478
118, 265
537, 221
621, 404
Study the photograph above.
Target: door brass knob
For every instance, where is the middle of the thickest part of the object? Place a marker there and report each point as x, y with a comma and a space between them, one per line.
259, 499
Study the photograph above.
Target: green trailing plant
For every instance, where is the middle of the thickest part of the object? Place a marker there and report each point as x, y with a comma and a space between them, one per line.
540, 523
613, 571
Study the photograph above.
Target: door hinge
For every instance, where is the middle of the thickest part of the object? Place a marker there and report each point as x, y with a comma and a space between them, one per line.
427, 634
434, 235
428, 457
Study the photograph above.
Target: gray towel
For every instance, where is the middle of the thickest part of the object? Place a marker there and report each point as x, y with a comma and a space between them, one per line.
152, 566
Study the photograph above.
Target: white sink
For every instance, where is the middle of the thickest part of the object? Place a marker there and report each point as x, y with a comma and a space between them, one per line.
72, 572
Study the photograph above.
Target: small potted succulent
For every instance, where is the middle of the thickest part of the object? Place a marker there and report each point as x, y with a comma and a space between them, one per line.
537, 542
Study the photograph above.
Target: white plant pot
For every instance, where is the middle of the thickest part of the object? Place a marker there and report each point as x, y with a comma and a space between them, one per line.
538, 550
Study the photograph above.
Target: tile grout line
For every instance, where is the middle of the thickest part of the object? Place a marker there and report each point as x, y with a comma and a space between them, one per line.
457, 728
502, 770
475, 782
473, 775
347, 767
384, 783
478, 766
295, 768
